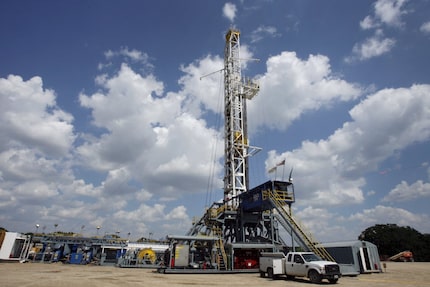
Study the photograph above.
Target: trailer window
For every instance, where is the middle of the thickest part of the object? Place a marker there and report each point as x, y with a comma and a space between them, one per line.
342, 255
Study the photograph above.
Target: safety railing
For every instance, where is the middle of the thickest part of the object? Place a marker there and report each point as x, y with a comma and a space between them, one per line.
221, 257
307, 239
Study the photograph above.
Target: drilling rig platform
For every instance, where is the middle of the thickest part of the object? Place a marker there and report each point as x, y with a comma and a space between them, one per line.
231, 234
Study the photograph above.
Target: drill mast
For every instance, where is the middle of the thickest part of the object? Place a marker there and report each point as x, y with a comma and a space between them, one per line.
237, 149
248, 220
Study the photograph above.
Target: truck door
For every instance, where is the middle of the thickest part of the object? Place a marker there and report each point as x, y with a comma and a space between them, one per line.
296, 266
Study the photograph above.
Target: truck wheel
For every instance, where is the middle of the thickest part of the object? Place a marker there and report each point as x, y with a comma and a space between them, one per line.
314, 276
270, 273
332, 281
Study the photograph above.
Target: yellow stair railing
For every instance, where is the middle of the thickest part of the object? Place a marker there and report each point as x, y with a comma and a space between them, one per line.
308, 240
221, 256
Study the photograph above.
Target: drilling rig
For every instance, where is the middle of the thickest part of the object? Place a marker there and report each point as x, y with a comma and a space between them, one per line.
231, 234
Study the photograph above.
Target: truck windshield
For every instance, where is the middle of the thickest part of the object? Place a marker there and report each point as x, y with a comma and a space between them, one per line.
311, 257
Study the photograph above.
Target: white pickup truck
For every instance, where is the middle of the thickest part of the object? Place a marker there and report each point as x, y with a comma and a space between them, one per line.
298, 264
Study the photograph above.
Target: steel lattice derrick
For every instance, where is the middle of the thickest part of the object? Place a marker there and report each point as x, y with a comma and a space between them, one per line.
235, 167
237, 91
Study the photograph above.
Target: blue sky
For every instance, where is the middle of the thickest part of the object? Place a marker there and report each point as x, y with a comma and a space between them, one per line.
105, 121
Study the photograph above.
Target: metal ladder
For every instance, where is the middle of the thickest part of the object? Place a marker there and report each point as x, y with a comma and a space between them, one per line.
303, 236
221, 256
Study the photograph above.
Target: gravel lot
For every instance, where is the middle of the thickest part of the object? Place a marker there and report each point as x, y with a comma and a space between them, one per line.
59, 275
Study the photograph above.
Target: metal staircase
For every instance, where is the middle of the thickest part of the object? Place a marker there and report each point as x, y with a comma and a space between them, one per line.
301, 237
221, 256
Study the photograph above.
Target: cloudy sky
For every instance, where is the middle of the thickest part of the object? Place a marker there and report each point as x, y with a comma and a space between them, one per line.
104, 120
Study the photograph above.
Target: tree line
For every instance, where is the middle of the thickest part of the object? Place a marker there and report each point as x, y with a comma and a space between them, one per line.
392, 239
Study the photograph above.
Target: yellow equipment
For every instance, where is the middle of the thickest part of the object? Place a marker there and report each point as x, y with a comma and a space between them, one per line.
148, 255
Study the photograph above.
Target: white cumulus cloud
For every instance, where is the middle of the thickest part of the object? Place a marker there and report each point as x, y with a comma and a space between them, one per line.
29, 117
332, 171
386, 14
262, 31
425, 27
405, 192
297, 86
229, 11
145, 132
390, 12
374, 46
383, 214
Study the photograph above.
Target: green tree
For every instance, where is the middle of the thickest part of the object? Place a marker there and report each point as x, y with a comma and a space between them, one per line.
392, 239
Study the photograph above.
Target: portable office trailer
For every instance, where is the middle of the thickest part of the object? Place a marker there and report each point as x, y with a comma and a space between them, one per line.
15, 246
355, 257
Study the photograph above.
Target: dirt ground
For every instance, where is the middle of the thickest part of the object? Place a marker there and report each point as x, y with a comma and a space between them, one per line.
65, 275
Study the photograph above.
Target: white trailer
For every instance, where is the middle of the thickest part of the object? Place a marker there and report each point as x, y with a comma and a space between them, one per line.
15, 246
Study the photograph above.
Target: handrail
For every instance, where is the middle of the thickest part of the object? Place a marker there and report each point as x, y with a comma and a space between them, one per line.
307, 239
218, 232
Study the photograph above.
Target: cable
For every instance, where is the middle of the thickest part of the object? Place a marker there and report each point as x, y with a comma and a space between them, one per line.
211, 176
